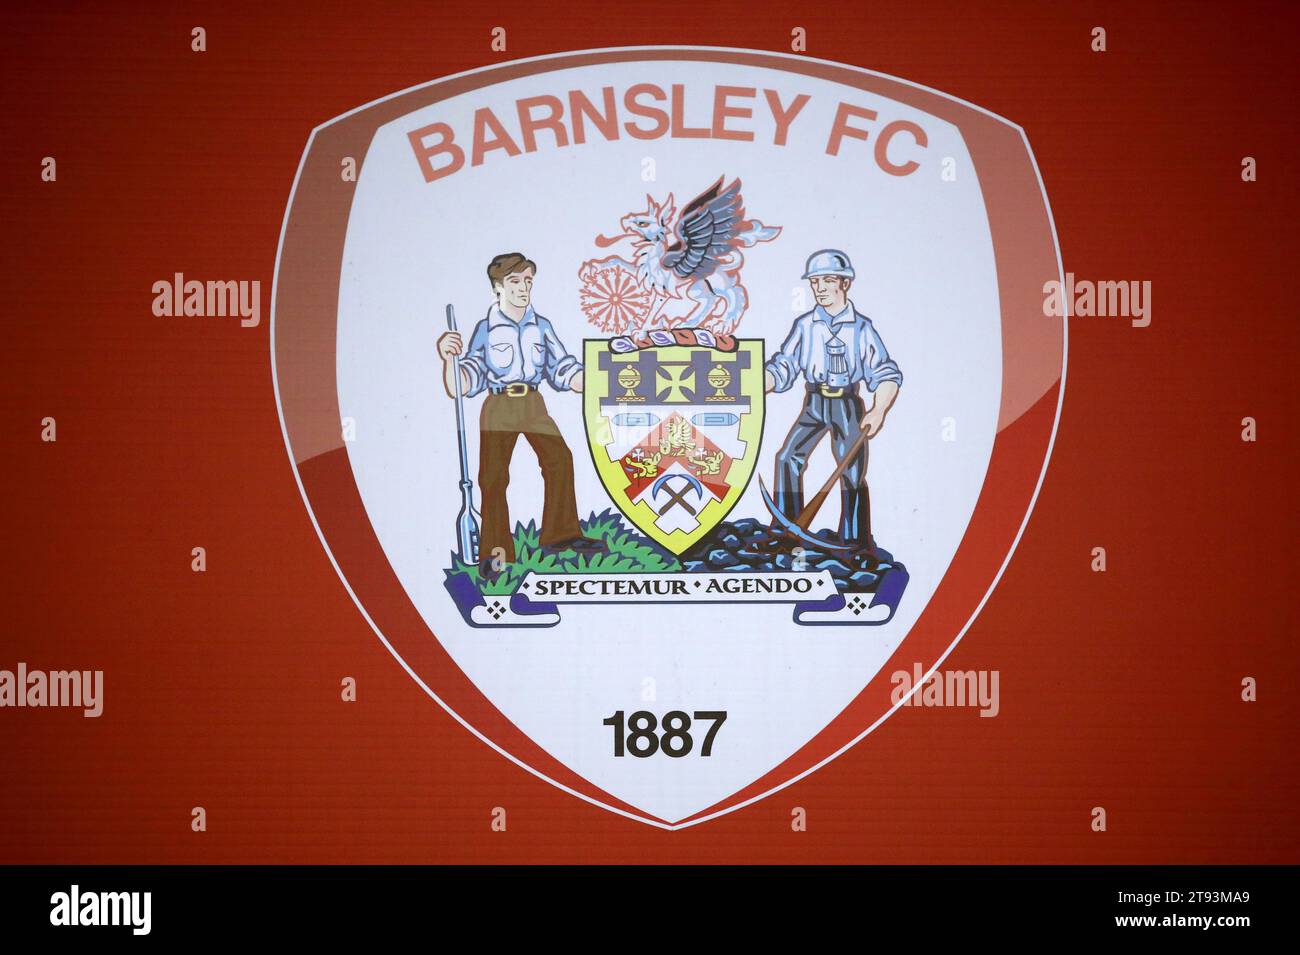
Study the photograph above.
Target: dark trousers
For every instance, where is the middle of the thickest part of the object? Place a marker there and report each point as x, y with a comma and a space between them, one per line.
501, 423
842, 417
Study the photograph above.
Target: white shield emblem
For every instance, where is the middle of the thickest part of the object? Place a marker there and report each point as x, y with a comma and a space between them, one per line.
603, 594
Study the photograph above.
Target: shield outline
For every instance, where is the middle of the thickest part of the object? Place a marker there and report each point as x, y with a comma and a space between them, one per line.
608, 470
314, 411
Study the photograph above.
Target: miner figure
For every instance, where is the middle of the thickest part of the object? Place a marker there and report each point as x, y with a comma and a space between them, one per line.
833, 351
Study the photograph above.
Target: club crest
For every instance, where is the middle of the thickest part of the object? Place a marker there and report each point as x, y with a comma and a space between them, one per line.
656, 406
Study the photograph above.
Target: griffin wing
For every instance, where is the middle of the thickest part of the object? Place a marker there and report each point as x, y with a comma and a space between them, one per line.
705, 231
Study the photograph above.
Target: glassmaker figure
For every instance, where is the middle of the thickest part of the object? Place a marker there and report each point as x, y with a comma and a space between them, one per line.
510, 353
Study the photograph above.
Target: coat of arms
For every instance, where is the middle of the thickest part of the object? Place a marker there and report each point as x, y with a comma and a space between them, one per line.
675, 430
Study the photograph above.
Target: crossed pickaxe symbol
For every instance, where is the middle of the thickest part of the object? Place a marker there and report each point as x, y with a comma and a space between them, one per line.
677, 496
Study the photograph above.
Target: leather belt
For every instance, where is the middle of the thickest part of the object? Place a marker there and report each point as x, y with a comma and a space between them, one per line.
826, 391
516, 389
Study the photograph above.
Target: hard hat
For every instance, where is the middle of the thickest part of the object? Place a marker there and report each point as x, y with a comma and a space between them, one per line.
829, 262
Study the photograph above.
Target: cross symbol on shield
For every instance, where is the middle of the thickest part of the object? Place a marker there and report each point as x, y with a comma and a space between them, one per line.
679, 378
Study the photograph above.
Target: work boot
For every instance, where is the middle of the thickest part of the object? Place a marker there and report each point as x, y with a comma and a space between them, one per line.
488, 572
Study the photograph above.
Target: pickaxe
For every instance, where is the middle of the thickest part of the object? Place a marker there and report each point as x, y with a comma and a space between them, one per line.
798, 527
677, 497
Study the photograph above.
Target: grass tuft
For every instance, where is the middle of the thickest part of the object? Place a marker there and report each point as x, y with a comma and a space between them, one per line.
629, 552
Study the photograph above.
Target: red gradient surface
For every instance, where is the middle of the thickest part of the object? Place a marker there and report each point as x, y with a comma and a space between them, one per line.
1119, 689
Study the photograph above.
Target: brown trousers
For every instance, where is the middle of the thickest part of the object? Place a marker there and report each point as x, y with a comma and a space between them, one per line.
501, 423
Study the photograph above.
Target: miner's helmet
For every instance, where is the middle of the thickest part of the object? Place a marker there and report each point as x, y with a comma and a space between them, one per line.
829, 262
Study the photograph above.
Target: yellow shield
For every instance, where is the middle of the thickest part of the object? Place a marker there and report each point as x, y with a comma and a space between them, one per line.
674, 429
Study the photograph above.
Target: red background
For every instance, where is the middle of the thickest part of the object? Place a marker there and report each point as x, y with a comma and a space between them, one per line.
1119, 690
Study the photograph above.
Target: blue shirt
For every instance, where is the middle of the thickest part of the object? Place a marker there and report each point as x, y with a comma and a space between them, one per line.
835, 350
502, 352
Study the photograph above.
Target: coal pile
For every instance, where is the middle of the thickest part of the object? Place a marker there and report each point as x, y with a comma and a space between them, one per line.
749, 545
